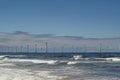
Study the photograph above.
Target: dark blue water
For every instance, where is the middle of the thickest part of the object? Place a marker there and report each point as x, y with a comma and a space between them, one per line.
66, 55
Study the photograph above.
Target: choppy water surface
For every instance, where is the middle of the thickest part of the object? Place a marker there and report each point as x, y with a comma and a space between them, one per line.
36, 67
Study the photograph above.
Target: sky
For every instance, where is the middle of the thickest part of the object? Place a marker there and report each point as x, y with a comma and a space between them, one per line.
87, 18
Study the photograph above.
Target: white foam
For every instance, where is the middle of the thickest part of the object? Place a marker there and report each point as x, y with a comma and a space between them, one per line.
77, 57
16, 74
106, 59
31, 60
2, 57
96, 59
42, 61
114, 59
72, 62
6, 64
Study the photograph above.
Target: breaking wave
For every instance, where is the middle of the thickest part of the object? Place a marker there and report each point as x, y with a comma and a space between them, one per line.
16, 67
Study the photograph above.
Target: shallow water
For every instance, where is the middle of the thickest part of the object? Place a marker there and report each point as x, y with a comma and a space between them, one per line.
20, 67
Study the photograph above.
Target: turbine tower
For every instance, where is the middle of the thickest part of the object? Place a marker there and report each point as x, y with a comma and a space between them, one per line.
35, 48
46, 44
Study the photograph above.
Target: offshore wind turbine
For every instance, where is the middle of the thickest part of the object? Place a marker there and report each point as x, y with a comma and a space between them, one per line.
35, 48
119, 48
85, 49
46, 45
28, 48
100, 48
72, 49
21, 49
16, 49
8, 49
62, 49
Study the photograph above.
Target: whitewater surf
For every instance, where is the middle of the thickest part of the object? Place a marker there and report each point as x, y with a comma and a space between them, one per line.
76, 67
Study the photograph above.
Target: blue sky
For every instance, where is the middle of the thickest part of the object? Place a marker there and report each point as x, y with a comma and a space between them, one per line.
87, 18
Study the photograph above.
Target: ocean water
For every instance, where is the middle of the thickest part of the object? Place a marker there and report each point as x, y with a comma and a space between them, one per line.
59, 67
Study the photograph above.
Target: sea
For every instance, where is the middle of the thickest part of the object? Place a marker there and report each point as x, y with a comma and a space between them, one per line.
60, 66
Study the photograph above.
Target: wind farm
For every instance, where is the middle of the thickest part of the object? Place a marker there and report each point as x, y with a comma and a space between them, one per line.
32, 44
